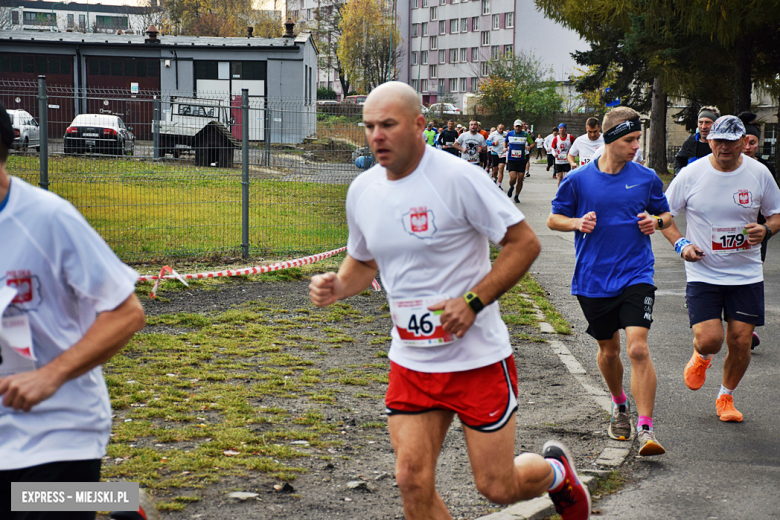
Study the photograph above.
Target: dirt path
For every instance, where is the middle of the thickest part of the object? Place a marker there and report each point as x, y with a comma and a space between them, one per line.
244, 386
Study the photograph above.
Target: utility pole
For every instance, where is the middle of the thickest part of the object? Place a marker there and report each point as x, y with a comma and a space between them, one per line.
392, 32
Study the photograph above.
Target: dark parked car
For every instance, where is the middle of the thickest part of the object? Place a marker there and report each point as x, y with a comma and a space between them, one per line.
99, 133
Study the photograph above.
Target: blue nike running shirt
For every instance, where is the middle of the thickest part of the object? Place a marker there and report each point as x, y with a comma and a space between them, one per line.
616, 254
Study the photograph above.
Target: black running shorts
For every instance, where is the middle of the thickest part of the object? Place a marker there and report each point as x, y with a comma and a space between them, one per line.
562, 168
550, 160
516, 165
631, 308
708, 301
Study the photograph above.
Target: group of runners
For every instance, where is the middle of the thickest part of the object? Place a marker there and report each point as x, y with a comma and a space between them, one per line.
423, 219
432, 253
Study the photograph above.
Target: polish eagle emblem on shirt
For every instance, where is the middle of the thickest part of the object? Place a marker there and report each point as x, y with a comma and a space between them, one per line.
419, 222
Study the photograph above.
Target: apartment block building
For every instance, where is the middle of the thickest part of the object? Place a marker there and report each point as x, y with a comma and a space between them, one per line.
449, 42
39, 15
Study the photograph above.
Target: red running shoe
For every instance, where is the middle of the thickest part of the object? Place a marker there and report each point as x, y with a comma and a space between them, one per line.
572, 501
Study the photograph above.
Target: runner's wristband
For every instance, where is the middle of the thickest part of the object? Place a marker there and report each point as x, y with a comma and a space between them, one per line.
768, 232
681, 244
474, 302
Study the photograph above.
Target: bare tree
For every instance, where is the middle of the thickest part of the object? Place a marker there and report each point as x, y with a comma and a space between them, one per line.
5, 18
153, 14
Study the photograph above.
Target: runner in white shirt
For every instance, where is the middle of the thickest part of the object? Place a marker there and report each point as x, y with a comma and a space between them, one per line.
68, 305
585, 145
540, 149
424, 219
498, 154
722, 195
471, 144
560, 147
548, 148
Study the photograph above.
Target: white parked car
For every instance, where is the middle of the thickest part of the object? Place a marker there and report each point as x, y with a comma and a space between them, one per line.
27, 133
443, 108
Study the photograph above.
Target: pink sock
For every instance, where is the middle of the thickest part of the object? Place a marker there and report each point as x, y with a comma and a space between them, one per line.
643, 419
621, 399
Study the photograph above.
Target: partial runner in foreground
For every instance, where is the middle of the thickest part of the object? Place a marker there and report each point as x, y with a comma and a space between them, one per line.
612, 217
69, 305
722, 195
424, 219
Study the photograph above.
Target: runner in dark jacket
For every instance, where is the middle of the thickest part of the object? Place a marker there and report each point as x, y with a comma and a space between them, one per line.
696, 146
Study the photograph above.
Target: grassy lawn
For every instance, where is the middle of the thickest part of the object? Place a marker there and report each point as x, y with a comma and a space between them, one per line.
146, 209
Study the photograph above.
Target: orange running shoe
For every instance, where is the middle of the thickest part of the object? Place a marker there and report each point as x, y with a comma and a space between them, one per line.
726, 410
696, 371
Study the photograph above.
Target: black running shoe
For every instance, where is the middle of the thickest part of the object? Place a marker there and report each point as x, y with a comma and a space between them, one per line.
511, 190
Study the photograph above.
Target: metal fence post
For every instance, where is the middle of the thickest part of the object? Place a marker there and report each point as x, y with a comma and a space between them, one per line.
156, 127
43, 116
267, 133
245, 172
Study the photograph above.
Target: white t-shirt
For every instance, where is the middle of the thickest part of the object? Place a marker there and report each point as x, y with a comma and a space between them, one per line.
539, 143
471, 143
585, 148
498, 143
64, 274
548, 142
428, 233
560, 148
717, 207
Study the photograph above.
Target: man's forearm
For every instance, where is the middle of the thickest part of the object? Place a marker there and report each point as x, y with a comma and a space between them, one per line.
558, 222
520, 248
108, 334
355, 277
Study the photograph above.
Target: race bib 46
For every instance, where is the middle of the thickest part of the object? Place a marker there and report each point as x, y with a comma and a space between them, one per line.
416, 325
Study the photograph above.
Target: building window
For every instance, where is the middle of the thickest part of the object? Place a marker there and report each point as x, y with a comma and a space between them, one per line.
495, 51
464, 25
415, 30
432, 71
425, 29
434, 13
82, 21
454, 28
441, 86
463, 55
509, 20
509, 50
453, 55
483, 69
475, 54
474, 84
475, 24
415, 4
414, 84
454, 85
424, 58
462, 85
442, 27
71, 21
434, 43
442, 2
485, 37
425, 3
308, 14
111, 22
453, 1
14, 17
442, 56
485, 6
496, 21
31, 18
414, 57
423, 85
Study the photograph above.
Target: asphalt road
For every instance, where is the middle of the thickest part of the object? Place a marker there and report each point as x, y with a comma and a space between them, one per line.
712, 470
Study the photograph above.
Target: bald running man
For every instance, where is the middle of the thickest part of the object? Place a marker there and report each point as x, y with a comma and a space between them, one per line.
424, 217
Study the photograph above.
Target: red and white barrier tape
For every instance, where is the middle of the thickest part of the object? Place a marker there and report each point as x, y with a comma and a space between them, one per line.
259, 269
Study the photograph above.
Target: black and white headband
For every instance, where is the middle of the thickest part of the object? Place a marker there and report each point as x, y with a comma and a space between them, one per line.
624, 128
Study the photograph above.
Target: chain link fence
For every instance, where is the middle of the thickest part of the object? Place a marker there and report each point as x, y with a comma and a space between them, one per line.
163, 176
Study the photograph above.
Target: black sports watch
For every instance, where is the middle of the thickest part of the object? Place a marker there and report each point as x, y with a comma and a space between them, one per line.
474, 302
660, 222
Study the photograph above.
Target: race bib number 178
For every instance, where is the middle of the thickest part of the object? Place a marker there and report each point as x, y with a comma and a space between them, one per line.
416, 325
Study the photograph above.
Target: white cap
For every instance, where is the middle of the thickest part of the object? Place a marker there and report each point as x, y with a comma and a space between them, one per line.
518, 123
459, 125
